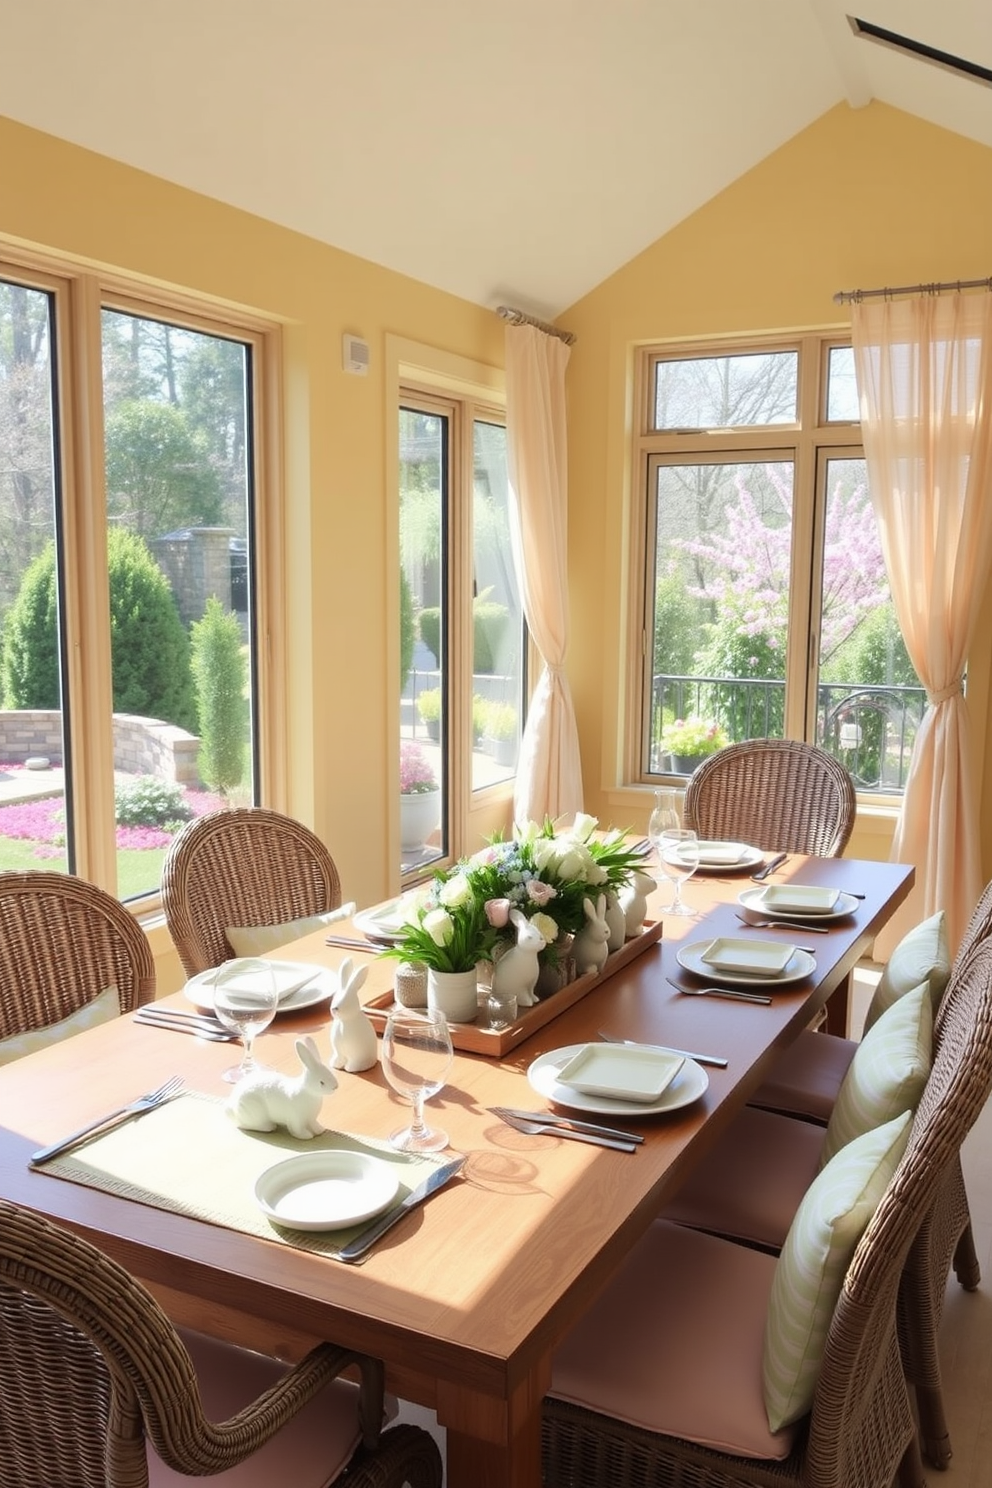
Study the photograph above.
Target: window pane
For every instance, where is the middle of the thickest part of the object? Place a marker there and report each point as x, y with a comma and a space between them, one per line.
720, 602
869, 698
497, 681
34, 830
727, 392
423, 636
842, 387
179, 549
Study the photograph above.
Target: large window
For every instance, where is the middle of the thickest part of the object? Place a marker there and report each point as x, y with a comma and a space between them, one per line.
129, 678
766, 607
462, 633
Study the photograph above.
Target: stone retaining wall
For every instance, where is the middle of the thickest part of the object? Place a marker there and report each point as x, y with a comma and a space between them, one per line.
142, 746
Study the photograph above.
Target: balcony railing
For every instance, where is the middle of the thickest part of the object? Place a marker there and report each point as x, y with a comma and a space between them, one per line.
870, 729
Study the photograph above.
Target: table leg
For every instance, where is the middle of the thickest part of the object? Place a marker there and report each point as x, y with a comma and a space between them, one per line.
494, 1443
839, 1008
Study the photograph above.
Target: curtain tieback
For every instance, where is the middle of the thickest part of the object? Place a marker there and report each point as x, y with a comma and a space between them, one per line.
936, 698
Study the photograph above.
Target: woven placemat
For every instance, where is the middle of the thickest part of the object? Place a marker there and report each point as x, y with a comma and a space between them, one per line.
189, 1157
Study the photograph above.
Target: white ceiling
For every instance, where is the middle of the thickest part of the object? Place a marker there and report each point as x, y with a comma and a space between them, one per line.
504, 150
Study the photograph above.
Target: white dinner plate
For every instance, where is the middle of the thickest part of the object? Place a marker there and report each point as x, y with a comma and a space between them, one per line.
719, 857
326, 1190
754, 901
301, 985
690, 957
689, 1084
627, 1072
385, 922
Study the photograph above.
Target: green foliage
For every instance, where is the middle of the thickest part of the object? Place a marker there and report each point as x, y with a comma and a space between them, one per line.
149, 645
499, 721
874, 654
490, 627
429, 622
150, 802
429, 704
219, 671
675, 619
159, 474
29, 664
407, 630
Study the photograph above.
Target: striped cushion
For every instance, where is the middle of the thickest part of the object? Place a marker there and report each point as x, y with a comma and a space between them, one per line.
887, 1074
921, 956
811, 1268
101, 1010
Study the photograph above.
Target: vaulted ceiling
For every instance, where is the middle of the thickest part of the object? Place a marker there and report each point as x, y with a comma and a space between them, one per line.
515, 150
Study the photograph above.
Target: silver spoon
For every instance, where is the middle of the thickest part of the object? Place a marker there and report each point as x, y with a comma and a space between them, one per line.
720, 992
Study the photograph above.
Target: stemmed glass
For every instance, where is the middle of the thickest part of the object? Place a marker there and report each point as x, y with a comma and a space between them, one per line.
416, 1057
246, 995
678, 854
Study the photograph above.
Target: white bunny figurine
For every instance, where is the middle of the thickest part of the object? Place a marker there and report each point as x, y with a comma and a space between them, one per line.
353, 1041
634, 900
266, 1099
616, 922
591, 945
515, 973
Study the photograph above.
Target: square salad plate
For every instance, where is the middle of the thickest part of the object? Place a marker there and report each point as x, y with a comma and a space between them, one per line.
804, 899
621, 1071
755, 957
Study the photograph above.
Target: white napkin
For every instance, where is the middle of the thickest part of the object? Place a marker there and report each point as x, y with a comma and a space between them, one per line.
290, 976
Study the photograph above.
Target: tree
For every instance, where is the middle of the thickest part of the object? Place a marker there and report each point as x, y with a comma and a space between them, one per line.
159, 476
220, 675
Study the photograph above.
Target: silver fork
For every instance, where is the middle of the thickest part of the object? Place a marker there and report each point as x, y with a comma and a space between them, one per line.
784, 925
548, 1128
137, 1107
719, 992
204, 1025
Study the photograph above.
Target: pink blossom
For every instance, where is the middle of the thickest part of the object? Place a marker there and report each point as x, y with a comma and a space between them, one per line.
498, 912
539, 892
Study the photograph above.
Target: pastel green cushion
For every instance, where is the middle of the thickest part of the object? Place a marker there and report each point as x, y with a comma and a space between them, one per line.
255, 940
922, 955
813, 1262
890, 1067
101, 1010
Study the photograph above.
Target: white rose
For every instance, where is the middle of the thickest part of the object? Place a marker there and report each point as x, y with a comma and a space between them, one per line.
584, 826
455, 892
439, 926
547, 927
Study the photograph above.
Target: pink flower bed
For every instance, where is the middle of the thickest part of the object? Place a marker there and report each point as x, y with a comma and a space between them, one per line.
42, 821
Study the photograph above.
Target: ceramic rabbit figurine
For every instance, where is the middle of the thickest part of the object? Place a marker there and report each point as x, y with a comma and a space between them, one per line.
353, 1041
616, 922
591, 946
515, 973
634, 900
267, 1099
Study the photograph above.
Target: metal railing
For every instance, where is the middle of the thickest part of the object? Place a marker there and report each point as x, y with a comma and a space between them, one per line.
869, 728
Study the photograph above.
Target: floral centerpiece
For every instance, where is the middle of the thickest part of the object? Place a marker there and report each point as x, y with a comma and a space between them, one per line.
691, 738
463, 916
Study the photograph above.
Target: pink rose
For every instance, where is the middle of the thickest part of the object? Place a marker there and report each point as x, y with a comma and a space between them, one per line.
498, 912
540, 893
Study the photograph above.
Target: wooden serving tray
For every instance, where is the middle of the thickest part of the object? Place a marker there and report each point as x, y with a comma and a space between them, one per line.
475, 1039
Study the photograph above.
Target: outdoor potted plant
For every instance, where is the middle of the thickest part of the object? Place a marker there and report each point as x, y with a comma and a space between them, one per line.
500, 732
420, 797
429, 708
688, 741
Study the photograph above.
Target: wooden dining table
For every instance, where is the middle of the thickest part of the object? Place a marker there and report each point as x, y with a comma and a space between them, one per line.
466, 1298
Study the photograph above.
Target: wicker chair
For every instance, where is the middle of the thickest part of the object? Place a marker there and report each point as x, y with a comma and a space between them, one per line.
248, 866
63, 941
774, 794
100, 1391
860, 1432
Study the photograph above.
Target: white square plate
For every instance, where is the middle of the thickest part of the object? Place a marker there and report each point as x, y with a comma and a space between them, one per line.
722, 854
756, 957
799, 899
621, 1071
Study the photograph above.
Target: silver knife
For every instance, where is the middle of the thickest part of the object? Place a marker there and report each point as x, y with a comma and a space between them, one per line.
769, 867
586, 1126
367, 1238
716, 1060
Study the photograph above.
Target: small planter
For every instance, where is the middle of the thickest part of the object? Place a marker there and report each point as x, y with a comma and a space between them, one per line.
686, 764
420, 815
503, 751
454, 993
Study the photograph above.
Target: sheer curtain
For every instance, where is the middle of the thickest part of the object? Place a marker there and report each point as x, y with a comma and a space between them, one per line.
549, 774
924, 370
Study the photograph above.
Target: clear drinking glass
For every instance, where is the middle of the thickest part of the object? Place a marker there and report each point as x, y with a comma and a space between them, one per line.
678, 856
664, 816
246, 995
416, 1057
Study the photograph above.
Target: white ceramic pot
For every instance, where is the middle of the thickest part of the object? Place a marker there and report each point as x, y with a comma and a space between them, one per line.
420, 814
454, 993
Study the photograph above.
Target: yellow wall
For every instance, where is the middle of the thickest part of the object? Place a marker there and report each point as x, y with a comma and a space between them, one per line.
342, 598
859, 199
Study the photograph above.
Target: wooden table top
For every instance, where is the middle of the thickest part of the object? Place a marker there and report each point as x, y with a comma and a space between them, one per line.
467, 1296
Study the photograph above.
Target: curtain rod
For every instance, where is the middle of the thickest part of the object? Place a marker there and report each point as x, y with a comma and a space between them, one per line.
846, 295
519, 317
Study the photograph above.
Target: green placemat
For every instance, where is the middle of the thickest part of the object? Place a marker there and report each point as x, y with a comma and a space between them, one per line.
189, 1157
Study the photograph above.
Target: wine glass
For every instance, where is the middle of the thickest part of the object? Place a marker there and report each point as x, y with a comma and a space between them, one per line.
246, 995
678, 853
416, 1057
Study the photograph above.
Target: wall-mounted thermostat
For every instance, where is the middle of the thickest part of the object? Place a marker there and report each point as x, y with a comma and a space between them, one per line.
356, 355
